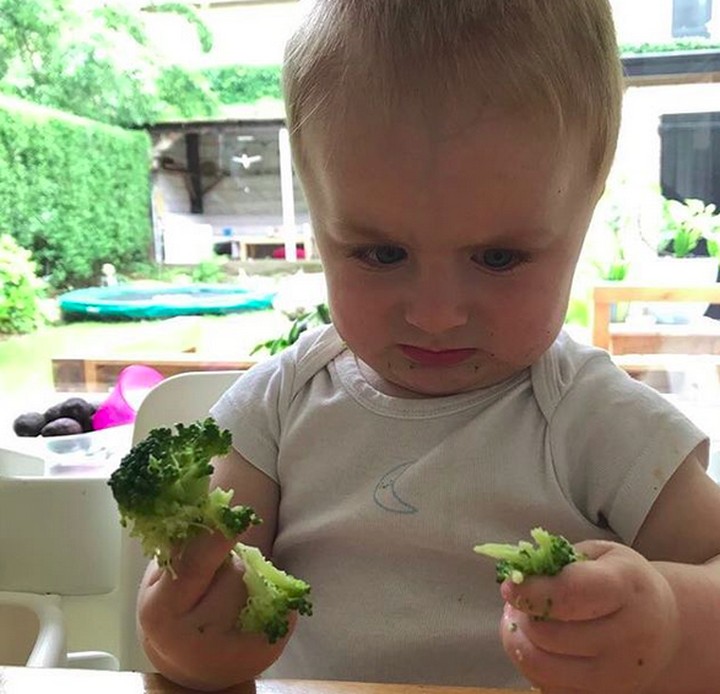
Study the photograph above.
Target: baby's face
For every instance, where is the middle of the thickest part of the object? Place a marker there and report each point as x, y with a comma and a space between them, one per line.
449, 260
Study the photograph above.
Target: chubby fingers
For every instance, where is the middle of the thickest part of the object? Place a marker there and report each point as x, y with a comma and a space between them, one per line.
603, 655
554, 672
195, 570
584, 590
595, 622
580, 639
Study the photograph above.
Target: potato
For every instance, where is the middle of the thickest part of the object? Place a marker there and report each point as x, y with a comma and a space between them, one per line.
62, 427
29, 424
53, 413
80, 410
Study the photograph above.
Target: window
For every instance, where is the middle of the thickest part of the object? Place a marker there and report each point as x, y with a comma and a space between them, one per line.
690, 156
691, 17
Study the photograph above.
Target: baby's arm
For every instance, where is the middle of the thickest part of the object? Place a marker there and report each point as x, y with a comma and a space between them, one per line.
633, 620
682, 535
188, 624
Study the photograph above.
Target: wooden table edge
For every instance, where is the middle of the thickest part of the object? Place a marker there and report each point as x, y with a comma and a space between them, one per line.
22, 680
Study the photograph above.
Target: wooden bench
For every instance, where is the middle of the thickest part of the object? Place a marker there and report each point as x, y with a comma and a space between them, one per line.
99, 374
640, 348
605, 334
171, 346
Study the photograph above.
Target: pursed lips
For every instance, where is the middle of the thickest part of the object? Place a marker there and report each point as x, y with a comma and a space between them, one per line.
431, 357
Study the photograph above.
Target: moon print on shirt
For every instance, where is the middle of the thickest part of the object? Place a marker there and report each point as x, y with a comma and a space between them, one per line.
386, 495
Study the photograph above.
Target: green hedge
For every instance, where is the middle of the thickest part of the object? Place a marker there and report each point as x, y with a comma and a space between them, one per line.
73, 191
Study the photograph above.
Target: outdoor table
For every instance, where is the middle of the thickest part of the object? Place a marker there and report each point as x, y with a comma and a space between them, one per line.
19, 680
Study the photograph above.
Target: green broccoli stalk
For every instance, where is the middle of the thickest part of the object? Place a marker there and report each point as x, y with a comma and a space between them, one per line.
162, 488
546, 558
272, 595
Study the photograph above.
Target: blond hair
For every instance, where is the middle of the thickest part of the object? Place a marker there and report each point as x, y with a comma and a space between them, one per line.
555, 58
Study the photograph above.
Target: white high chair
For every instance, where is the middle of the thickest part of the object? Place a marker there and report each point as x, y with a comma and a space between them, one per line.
184, 398
59, 566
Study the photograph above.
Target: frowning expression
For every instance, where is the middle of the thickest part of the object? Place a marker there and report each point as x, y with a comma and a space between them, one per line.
449, 258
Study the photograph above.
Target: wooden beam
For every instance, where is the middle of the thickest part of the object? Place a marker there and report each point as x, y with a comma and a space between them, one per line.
613, 292
195, 188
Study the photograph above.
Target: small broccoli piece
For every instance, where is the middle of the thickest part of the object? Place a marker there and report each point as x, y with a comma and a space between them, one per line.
162, 488
272, 595
546, 558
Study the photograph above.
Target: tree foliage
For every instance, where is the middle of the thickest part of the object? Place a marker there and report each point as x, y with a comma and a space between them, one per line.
93, 58
245, 84
204, 34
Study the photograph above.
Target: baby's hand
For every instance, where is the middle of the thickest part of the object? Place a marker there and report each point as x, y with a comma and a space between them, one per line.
606, 625
189, 623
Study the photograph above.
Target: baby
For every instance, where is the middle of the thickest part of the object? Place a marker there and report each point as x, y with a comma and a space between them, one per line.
452, 153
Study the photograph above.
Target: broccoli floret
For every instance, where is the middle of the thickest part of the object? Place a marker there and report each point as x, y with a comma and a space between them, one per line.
162, 488
546, 558
272, 595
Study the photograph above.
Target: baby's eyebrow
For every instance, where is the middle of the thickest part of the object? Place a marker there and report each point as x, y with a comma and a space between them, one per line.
520, 236
363, 232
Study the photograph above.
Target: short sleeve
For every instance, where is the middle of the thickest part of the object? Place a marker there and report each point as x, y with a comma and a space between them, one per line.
251, 410
255, 408
615, 443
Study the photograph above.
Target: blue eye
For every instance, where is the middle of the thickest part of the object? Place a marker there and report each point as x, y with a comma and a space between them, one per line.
380, 255
499, 258
388, 255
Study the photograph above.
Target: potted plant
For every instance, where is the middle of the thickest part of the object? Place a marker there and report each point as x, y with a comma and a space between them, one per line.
687, 227
687, 247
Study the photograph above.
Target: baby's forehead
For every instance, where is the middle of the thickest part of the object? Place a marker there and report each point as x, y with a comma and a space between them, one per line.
444, 103
354, 132
493, 170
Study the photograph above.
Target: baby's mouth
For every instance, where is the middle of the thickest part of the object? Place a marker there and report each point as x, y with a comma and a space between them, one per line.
437, 358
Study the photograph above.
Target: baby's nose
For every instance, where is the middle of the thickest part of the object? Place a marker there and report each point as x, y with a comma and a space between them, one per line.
435, 306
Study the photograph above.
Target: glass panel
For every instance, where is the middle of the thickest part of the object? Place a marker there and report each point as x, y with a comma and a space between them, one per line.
668, 153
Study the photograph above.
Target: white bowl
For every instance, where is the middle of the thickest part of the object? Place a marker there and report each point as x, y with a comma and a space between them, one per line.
78, 451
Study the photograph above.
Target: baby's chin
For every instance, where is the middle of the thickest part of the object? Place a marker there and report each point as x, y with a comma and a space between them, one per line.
412, 381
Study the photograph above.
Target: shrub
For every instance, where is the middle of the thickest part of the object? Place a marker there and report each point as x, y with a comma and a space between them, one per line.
75, 192
20, 289
210, 271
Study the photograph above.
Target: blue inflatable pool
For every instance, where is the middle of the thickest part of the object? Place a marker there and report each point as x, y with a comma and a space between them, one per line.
162, 302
